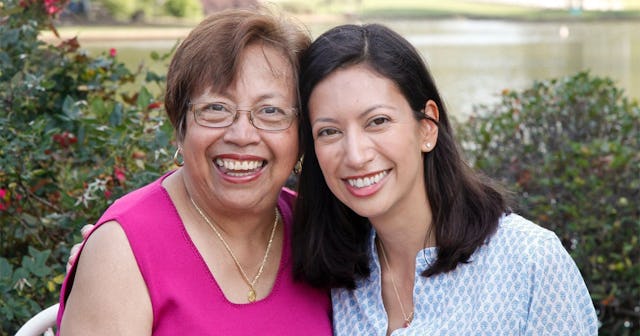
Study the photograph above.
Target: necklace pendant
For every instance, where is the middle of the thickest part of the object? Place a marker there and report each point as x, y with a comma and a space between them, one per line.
251, 296
406, 324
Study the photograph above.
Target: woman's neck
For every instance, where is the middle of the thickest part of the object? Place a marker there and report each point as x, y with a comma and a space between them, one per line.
406, 234
248, 224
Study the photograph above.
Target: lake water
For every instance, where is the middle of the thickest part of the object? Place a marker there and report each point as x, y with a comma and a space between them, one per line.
474, 60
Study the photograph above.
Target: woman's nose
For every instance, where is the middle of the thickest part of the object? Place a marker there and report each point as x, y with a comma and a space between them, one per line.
241, 131
358, 150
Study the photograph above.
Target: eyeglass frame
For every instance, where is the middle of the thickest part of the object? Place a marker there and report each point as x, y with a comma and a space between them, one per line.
236, 109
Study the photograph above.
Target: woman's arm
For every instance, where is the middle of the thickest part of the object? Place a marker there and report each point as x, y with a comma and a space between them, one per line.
109, 295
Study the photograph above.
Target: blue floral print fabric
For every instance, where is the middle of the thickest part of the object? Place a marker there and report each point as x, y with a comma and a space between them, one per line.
521, 282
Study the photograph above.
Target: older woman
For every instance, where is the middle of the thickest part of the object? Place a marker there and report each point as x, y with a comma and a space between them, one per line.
204, 250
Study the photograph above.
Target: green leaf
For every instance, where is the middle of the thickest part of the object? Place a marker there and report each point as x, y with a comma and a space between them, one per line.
36, 262
115, 119
31, 220
144, 98
70, 109
5, 269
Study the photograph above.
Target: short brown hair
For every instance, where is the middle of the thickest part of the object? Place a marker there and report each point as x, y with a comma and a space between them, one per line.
210, 54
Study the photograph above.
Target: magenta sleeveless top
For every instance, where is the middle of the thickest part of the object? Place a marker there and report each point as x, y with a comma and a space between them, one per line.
184, 294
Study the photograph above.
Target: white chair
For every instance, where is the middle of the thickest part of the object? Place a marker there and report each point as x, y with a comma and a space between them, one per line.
38, 324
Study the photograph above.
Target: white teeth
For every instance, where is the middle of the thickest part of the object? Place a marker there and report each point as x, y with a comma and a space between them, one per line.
367, 181
236, 165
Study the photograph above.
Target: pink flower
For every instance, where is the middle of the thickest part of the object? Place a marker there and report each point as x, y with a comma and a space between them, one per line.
51, 10
120, 174
112, 52
107, 194
3, 194
50, 6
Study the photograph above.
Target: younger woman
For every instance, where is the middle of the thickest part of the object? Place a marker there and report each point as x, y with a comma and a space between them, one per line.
410, 239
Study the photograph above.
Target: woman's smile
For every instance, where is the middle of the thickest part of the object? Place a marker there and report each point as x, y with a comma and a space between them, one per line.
366, 185
239, 167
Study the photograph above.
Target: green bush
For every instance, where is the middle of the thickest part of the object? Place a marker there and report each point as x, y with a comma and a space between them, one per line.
120, 9
570, 150
71, 141
184, 8
128, 10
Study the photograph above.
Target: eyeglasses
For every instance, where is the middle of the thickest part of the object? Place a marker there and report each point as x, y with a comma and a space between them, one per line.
267, 117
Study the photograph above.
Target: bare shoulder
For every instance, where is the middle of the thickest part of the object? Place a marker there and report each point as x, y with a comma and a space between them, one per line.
109, 295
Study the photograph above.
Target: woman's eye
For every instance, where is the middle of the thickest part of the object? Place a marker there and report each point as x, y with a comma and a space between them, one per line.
377, 121
271, 111
215, 107
327, 132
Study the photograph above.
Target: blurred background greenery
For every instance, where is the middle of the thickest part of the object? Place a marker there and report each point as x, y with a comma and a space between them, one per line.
544, 93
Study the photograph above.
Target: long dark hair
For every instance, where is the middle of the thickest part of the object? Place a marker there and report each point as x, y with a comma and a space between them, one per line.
331, 242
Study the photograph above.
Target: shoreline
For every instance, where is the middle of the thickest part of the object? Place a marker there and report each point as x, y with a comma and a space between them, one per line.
114, 34
93, 32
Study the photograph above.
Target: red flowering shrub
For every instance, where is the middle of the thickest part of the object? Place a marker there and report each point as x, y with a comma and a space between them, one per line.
70, 143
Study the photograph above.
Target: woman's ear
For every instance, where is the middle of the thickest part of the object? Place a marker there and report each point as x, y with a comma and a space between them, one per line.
429, 127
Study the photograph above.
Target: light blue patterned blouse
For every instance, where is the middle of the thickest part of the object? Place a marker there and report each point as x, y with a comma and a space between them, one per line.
523, 282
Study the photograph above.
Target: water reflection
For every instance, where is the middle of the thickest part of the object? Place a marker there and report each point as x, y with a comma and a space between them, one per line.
473, 61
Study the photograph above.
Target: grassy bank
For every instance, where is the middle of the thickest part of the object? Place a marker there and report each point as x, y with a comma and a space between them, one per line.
420, 9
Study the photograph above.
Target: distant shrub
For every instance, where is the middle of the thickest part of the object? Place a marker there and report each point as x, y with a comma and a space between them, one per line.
570, 149
71, 141
184, 8
129, 10
120, 9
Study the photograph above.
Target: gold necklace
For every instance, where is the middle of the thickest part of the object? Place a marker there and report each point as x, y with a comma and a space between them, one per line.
251, 295
409, 318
